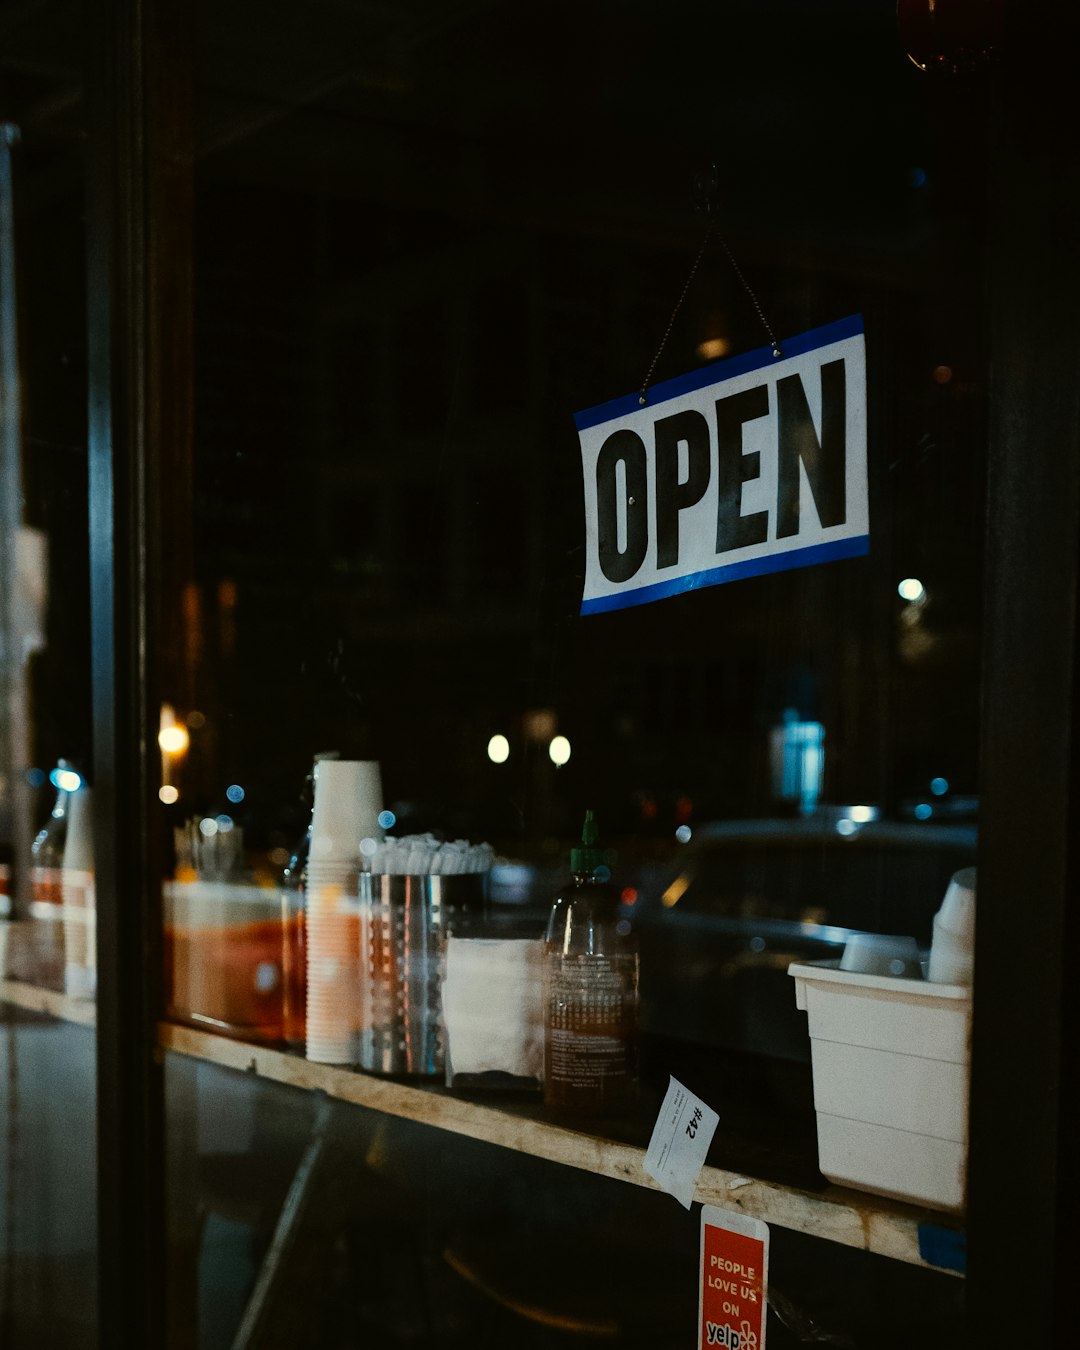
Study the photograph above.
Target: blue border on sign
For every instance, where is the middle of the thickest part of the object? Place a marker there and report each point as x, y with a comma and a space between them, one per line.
720, 370
856, 547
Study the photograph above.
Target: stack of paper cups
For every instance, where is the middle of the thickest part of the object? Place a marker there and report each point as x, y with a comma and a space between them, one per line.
333, 964
952, 952
348, 799
79, 903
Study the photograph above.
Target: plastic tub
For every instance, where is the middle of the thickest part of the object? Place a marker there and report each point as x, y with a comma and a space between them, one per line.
891, 1064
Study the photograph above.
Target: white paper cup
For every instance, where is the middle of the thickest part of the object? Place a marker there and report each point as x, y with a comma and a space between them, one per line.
334, 872
79, 840
952, 952
79, 918
882, 954
952, 959
79, 900
957, 912
347, 803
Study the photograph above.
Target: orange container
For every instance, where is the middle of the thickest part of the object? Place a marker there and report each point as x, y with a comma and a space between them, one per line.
294, 966
225, 948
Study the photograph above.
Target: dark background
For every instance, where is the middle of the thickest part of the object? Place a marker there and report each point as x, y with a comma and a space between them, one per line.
423, 237
416, 261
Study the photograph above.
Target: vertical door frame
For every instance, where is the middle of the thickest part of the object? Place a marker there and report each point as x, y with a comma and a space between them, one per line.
139, 347
1023, 1191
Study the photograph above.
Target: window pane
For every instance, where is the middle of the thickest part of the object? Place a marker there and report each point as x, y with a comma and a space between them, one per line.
48, 1192
423, 240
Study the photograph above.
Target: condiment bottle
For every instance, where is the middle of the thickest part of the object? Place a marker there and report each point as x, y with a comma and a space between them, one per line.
590, 990
47, 850
294, 944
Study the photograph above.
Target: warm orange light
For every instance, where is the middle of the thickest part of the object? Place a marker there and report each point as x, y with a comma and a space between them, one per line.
674, 892
174, 740
713, 348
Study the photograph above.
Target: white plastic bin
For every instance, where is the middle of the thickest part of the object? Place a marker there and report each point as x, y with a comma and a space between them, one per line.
891, 1064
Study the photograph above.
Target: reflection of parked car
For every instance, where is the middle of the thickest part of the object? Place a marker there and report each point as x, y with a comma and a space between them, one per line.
750, 897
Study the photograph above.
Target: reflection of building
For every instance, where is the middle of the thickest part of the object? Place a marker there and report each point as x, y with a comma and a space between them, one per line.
797, 761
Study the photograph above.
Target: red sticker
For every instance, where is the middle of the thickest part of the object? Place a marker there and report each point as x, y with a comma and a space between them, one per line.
734, 1280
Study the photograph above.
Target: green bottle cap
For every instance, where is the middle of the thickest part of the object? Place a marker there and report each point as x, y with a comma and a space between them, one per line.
589, 856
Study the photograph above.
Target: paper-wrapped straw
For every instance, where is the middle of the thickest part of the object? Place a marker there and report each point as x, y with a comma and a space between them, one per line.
422, 855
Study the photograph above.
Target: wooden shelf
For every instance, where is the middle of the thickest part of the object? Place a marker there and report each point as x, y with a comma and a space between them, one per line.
37, 998
851, 1218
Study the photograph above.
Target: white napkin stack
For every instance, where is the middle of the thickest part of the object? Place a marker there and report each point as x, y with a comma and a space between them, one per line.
493, 1006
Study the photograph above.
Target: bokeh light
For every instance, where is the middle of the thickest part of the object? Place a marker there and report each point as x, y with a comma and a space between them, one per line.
911, 589
174, 739
559, 750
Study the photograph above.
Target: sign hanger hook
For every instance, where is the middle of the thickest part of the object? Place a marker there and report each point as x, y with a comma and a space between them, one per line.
707, 192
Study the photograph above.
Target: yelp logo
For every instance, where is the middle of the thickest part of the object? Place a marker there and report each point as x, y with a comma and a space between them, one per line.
723, 1335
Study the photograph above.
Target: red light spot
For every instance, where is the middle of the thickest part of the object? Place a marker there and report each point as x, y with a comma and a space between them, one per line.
684, 810
648, 809
629, 896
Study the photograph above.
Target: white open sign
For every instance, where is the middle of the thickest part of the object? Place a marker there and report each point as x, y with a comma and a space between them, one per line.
751, 465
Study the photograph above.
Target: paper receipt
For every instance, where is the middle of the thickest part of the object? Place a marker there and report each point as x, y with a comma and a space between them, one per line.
680, 1141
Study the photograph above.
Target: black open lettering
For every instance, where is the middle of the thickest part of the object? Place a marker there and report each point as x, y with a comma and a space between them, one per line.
625, 447
733, 529
672, 496
825, 460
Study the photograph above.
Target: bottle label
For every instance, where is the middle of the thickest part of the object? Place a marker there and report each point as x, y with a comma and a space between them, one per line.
582, 1059
46, 891
591, 1018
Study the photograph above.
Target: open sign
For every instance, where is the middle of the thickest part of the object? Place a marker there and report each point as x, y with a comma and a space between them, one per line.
751, 465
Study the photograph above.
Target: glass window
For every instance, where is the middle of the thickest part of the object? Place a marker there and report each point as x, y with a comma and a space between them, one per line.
48, 1182
423, 239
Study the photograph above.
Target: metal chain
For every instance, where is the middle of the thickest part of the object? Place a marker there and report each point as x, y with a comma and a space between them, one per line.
671, 322
642, 398
749, 291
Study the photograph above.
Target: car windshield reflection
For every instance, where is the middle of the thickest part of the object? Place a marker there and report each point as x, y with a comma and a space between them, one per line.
751, 897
